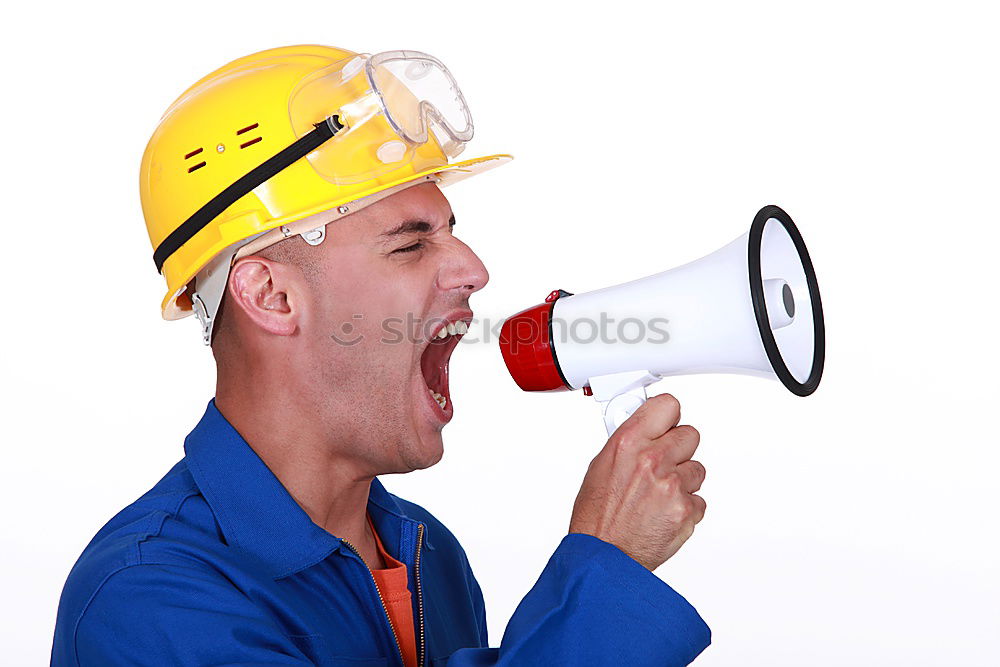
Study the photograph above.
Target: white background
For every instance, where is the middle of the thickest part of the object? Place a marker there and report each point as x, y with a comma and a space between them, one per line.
858, 526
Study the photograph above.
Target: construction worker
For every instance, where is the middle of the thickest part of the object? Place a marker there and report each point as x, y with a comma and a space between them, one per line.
293, 202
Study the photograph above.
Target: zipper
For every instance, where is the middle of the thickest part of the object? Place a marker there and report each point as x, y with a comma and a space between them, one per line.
385, 609
420, 594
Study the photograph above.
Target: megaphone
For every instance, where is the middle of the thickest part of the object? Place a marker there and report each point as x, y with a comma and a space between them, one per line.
752, 307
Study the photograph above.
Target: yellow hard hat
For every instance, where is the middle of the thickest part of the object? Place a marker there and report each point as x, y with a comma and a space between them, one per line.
284, 134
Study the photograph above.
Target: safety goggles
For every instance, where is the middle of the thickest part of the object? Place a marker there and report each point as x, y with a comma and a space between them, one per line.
417, 93
363, 119
397, 108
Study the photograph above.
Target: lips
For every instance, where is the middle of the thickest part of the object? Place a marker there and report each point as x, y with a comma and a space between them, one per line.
434, 361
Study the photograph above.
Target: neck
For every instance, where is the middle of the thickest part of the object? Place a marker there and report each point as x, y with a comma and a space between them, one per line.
306, 458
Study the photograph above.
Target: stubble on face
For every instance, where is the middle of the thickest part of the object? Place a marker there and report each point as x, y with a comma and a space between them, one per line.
365, 378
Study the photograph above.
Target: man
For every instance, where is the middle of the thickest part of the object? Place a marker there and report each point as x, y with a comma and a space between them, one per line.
293, 201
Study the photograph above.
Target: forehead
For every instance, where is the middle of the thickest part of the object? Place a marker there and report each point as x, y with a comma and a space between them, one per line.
424, 202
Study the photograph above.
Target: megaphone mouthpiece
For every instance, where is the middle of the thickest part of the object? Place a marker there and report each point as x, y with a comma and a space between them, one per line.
526, 346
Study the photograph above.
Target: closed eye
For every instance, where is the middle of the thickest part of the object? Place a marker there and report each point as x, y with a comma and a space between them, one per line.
410, 248
419, 226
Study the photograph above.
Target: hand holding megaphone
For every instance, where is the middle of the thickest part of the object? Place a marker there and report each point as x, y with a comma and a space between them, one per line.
640, 492
752, 307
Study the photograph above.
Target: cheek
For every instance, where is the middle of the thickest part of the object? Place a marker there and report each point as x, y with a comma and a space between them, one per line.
398, 300
379, 302
341, 296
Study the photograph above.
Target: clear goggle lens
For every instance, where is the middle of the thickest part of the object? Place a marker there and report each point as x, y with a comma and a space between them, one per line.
400, 108
419, 93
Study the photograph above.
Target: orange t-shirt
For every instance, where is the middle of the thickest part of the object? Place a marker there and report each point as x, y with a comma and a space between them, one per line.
391, 583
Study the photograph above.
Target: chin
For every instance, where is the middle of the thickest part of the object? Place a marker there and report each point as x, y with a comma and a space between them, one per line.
426, 450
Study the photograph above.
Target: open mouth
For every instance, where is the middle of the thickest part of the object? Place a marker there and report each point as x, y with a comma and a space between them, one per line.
434, 361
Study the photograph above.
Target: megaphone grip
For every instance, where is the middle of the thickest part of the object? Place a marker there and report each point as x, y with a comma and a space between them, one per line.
621, 407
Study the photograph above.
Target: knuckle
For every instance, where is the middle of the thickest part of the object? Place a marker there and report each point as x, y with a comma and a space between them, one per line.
649, 458
670, 483
687, 509
624, 441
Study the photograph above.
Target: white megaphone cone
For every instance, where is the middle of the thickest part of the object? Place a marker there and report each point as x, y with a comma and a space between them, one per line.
752, 307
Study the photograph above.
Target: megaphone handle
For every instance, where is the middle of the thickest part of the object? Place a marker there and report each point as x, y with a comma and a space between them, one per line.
621, 407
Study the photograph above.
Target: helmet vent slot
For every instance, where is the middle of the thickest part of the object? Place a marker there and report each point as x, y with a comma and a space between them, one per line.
246, 129
197, 166
192, 153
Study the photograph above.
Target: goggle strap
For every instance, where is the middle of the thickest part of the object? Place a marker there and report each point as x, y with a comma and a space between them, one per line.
247, 183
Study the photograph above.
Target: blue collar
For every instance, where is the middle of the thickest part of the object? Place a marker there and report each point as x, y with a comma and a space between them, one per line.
255, 512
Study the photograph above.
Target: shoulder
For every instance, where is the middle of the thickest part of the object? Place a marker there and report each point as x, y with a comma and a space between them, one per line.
169, 530
172, 511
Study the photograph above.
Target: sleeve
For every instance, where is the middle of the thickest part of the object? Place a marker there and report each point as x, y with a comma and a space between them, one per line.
595, 605
174, 615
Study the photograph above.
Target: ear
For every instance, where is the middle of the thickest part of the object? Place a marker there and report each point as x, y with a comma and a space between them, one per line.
263, 291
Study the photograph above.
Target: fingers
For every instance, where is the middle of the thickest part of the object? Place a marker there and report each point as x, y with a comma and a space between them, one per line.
640, 490
692, 475
698, 508
680, 443
653, 418
673, 448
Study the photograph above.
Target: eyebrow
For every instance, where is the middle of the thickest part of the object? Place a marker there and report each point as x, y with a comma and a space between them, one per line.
412, 227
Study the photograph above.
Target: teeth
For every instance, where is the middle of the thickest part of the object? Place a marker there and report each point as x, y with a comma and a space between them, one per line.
459, 328
452, 329
441, 400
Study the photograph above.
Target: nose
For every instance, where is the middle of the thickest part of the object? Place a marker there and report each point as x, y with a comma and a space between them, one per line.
463, 270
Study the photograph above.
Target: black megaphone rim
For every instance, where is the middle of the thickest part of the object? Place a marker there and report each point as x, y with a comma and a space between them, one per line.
772, 212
